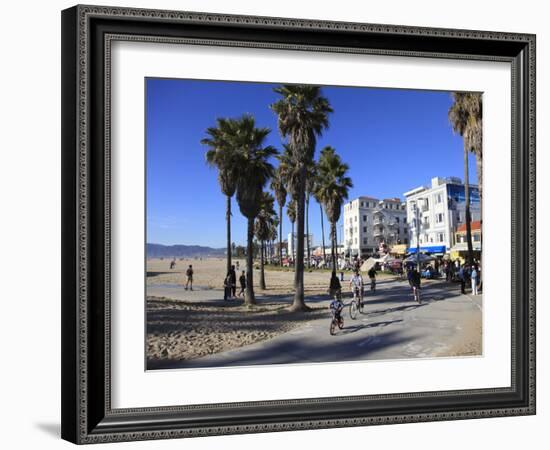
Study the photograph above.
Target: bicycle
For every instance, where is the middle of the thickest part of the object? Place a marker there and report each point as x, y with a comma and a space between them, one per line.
356, 304
337, 319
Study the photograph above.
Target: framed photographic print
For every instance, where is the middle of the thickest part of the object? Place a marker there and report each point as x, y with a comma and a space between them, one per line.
280, 224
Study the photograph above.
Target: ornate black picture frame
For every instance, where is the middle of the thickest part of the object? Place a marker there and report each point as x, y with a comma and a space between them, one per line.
87, 33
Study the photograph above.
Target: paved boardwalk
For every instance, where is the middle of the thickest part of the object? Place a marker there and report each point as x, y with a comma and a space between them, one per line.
392, 326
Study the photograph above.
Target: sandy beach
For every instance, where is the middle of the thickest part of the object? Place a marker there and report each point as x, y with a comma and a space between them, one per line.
210, 272
199, 323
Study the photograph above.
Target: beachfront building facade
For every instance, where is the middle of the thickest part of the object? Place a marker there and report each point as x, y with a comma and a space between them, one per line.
436, 212
371, 224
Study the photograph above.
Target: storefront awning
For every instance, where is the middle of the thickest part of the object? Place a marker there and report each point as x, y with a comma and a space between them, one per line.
428, 249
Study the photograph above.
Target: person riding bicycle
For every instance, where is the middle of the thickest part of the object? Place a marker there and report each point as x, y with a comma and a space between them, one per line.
414, 280
336, 307
356, 284
372, 275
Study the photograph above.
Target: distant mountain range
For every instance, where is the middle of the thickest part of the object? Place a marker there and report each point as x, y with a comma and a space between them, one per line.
182, 251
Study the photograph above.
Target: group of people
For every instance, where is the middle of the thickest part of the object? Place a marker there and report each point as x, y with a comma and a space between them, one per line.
469, 274
230, 284
356, 285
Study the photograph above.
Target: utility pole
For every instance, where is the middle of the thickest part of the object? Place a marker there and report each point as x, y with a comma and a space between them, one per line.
417, 218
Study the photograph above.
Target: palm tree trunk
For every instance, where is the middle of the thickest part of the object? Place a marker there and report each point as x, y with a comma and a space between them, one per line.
333, 245
467, 199
293, 246
249, 298
323, 233
298, 303
307, 232
228, 220
281, 235
262, 274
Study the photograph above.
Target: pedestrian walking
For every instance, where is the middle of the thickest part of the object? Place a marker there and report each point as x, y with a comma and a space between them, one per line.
226, 287
242, 281
233, 281
189, 274
474, 277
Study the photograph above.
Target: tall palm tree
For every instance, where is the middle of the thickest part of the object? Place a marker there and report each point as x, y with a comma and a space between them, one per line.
222, 154
273, 234
302, 114
255, 170
315, 196
332, 190
291, 213
310, 186
263, 228
279, 189
465, 116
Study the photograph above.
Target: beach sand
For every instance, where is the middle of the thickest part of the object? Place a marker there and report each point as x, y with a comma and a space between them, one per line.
209, 273
201, 323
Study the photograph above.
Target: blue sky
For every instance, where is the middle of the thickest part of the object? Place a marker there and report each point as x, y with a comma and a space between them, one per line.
392, 139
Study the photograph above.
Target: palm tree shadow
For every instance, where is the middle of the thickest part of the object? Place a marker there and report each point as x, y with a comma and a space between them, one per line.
359, 327
381, 312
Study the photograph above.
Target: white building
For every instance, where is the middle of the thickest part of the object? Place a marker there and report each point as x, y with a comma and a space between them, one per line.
293, 242
435, 213
369, 222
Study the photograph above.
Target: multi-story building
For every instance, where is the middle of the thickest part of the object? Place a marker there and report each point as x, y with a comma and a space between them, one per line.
436, 212
370, 222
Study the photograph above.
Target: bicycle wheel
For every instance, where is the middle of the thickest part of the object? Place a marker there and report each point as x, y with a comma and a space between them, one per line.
341, 323
353, 310
333, 327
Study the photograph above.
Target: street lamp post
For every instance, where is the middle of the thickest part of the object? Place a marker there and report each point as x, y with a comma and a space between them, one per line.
417, 217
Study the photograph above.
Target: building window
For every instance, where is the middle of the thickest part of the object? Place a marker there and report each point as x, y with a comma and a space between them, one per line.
406, 240
362, 204
397, 219
438, 198
364, 229
364, 218
404, 220
426, 222
439, 218
476, 237
356, 240
441, 237
365, 241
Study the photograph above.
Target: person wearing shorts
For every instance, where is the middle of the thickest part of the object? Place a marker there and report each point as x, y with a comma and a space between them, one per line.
189, 274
